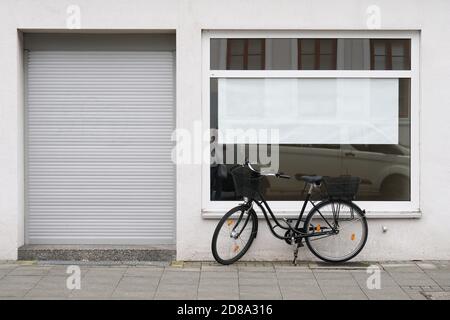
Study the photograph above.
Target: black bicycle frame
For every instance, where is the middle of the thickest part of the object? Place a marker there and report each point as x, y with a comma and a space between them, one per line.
297, 232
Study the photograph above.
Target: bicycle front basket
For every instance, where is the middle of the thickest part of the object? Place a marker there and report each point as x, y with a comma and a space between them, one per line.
246, 182
343, 187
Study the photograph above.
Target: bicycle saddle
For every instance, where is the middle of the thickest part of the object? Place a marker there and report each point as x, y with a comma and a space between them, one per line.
309, 179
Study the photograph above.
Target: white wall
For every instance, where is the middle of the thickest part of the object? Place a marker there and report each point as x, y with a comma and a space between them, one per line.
425, 238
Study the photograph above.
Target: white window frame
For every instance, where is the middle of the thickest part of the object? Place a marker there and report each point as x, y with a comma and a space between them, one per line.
290, 209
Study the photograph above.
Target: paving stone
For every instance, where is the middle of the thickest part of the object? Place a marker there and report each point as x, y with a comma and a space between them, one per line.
7, 265
218, 275
343, 293
257, 275
17, 286
258, 282
12, 293
174, 278
385, 279
412, 279
261, 292
52, 282
138, 283
443, 295
93, 290
256, 268
427, 266
176, 292
346, 296
442, 278
440, 264
386, 293
401, 267
302, 296
254, 264
144, 272
4, 273
136, 288
215, 292
30, 271
416, 295
294, 275
219, 282
301, 283
219, 268
293, 269
133, 295
307, 292
338, 283
106, 272
332, 275
62, 270
48, 293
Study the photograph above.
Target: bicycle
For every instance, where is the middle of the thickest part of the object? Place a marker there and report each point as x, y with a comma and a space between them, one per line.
335, 229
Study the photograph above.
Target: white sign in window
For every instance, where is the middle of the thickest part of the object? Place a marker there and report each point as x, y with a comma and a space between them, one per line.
309, 111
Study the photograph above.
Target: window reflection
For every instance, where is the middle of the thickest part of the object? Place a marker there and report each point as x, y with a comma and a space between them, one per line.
245, 54
383, 168
310, 54
390, 54
317, 54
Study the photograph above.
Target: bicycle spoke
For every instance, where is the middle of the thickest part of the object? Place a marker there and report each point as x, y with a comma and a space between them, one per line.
227, 247
347, 236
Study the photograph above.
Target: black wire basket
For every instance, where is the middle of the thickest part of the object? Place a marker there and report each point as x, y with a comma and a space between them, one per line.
343, 187
247, 183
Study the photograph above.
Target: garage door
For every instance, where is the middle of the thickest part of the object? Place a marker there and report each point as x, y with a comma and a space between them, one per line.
98, 147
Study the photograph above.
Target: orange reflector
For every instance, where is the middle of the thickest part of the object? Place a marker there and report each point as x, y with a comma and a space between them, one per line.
318, 228
236, 248
229, 222
353, 236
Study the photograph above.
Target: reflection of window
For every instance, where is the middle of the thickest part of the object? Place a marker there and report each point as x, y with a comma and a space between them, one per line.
310, 54
247, 97
317, 54
390, 54
404, 98
245, 54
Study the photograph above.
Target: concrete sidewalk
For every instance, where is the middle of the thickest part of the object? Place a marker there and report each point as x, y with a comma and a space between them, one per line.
206, 280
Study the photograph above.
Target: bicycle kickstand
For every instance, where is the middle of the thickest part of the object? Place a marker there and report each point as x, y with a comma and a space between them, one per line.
295, 251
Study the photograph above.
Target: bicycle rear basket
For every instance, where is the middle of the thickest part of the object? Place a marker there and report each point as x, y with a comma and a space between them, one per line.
343, 187
246, 182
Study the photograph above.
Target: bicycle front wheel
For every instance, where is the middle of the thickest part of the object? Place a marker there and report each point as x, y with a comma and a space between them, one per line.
234, 235
336, 230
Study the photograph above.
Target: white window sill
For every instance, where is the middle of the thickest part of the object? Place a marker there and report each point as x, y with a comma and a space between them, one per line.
213, 214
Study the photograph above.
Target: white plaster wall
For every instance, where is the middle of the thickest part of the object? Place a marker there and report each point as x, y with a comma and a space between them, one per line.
425, 238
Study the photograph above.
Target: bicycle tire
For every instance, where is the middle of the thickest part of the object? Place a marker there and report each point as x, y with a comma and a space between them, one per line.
254, 228
365, 230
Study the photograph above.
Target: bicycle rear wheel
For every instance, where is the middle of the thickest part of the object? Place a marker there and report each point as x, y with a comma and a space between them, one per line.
337, 230
234, 235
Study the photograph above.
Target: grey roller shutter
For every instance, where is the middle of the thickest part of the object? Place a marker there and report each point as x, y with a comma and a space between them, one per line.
98, 147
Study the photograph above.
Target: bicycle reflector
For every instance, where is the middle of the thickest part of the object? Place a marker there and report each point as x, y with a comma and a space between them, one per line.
318, 227
353, 237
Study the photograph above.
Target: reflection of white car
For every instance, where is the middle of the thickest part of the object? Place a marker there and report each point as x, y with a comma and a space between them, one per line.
383, 169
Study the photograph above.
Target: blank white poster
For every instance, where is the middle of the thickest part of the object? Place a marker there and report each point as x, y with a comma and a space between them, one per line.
309, 111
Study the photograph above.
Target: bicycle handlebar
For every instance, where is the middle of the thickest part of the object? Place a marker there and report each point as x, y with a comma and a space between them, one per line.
277, 175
